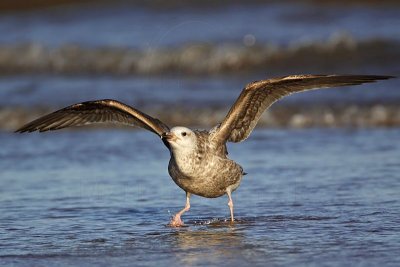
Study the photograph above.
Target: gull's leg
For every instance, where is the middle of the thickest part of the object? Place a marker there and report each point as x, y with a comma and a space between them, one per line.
176, 220
230, 203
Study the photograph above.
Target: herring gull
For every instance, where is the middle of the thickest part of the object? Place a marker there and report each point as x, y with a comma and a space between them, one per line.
199, 163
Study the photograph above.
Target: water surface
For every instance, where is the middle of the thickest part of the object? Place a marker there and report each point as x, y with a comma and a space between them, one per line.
104, 198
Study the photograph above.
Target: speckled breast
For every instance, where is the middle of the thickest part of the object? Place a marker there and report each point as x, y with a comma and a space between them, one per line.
207, 179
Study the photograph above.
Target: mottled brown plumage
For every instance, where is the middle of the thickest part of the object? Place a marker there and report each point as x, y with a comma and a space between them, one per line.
206, 170
98, 111
256, 97
199, 163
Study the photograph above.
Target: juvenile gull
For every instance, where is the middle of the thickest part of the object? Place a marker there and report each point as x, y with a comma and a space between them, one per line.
199, 163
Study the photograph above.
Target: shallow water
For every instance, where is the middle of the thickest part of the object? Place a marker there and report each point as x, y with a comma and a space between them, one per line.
211, 92
104, 197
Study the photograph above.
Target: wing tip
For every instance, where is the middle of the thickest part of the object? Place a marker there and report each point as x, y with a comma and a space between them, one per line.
24, 130
387, 77
365, 78
28, 128
21, 130
378, 77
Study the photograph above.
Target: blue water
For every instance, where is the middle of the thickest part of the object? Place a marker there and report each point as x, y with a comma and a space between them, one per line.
104, 198
129, 25
132, 26
59, 91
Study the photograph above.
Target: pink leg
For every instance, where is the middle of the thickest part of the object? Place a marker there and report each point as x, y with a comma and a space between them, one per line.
230, 203
176, 220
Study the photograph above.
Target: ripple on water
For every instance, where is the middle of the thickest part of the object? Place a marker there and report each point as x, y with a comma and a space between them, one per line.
293, 218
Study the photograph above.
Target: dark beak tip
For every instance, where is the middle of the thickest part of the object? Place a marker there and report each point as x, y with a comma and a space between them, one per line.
165, 135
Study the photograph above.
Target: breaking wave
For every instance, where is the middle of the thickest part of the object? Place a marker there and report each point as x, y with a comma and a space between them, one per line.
338, 52
282, 116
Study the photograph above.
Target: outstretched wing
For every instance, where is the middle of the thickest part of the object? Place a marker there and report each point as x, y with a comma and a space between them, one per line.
98, 111
256, 97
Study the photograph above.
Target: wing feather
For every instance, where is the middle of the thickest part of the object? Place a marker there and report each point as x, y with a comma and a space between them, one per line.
98, 111
256, 97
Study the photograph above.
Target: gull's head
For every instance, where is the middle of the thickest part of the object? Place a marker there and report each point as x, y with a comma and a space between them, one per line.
180, 138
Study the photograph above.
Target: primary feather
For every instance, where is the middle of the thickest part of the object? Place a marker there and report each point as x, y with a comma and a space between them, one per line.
99, 111
256, 97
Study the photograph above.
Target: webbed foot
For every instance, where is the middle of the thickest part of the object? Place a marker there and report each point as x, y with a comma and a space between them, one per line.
176, 221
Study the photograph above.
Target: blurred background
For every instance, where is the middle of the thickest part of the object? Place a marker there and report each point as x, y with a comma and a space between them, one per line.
186, 61
103, 197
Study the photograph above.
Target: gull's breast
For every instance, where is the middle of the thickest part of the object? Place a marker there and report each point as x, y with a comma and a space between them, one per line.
208, 177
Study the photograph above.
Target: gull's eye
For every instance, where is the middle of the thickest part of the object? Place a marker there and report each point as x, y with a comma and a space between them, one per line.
184, 134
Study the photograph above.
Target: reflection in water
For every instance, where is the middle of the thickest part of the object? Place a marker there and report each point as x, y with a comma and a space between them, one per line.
295, 209
218, 242
204, 246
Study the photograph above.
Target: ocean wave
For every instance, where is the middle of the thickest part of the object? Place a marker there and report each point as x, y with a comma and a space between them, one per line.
283, 116
340, 52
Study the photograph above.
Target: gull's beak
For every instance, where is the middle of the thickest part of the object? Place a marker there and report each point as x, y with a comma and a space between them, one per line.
169, 136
